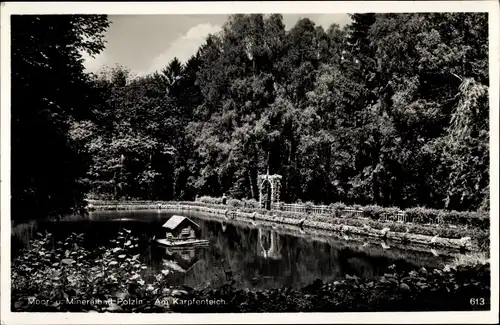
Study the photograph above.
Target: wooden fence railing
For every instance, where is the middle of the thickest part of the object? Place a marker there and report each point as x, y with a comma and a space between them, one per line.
399, 216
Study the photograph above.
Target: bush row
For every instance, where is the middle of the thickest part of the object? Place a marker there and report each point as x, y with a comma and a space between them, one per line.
235, 203
416, 215
481, 237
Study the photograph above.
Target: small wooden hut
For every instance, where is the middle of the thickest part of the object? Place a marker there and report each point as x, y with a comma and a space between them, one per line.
181, 228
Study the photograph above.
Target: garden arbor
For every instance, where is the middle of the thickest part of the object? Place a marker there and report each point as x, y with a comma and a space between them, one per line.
269, 190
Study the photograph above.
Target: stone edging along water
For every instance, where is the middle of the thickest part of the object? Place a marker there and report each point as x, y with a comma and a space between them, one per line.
418, 239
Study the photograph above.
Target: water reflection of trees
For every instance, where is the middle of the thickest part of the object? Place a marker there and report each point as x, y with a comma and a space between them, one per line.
263, 258
236, 251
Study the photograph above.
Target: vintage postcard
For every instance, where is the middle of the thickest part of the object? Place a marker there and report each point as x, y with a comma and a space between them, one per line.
249, 162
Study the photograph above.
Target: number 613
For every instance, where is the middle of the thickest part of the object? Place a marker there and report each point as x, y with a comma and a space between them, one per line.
476, 301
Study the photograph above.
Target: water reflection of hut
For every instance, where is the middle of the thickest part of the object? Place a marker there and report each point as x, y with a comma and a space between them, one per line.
180, 260
181, 228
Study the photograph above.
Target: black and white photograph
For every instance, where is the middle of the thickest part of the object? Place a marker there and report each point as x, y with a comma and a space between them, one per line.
257, 159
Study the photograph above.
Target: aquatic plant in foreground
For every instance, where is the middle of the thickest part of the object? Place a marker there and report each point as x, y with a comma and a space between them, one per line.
51, 276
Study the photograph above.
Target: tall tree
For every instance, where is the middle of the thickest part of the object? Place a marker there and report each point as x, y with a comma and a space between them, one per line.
49, 91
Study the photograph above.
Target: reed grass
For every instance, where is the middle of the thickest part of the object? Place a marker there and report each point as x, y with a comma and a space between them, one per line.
470, 259
24, 232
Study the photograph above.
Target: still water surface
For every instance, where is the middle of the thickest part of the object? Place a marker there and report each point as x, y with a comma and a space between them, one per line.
255, 256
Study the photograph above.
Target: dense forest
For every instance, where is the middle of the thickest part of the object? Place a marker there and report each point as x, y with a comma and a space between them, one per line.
391, 109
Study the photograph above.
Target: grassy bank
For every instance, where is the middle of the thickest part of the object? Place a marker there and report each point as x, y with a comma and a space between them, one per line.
59, 278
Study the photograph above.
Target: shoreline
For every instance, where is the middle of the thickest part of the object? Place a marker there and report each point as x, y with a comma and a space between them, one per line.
307, 222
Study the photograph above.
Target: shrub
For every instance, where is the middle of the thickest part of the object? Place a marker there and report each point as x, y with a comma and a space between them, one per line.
291, 215
356, 207
235, 203
210, 200
308, 205
251, 204
338, 206
421, 215
373, 212
466, 218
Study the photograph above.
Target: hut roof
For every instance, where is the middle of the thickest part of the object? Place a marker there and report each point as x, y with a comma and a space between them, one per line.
175, 221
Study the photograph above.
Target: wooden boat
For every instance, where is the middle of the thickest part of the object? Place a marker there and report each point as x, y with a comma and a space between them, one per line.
187, 242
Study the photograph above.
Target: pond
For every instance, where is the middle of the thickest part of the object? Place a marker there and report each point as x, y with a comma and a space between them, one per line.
256, 256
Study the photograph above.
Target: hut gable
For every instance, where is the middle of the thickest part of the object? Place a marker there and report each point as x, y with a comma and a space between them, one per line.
181, 228
176, 222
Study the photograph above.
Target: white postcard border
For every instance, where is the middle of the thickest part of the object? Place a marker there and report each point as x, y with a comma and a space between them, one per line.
136, 8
